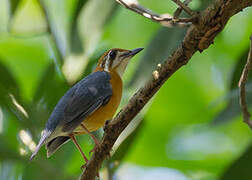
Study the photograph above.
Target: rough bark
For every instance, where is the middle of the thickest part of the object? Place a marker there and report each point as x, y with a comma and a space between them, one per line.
199, 37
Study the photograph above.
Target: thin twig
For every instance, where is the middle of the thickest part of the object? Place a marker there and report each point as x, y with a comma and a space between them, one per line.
184, 7
202, 35
164, 19
179, 9
242, 84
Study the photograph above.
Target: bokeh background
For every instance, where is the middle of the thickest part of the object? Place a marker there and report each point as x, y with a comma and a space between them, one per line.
191, 130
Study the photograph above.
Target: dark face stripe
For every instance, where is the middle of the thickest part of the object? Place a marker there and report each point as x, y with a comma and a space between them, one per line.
111, 56
111, 62
103, 62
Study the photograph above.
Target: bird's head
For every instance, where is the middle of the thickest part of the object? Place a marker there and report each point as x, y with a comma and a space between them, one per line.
116, 60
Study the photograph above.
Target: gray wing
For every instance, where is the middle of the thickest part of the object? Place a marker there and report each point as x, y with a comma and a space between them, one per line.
73, 120
80, 101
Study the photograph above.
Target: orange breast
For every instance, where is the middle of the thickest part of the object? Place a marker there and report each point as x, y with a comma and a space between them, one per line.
106, 112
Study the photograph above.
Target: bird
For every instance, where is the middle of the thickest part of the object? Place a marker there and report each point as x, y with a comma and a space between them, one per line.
87, 105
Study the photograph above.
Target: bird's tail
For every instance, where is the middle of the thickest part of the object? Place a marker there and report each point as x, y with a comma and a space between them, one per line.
42, 140
55, 144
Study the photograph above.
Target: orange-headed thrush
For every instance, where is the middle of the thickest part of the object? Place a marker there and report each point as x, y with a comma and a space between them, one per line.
88, 104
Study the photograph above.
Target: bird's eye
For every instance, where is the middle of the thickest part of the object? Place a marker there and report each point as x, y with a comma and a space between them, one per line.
112, 54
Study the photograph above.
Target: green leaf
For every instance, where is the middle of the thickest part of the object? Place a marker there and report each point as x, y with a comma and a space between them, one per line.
162, 45
240, 168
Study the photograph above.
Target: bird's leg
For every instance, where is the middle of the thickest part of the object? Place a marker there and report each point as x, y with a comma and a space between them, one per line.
79, 148
96, 141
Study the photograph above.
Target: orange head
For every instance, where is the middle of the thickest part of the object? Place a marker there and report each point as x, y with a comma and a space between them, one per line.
116, 60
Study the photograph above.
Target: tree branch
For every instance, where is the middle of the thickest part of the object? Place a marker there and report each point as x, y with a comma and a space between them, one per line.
164, 19
199, 37
242, 84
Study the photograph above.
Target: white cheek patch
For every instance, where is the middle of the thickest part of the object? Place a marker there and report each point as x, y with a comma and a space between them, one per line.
119, 64
107, 62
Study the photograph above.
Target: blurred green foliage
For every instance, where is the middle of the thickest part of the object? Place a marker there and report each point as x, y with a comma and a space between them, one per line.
193, 124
